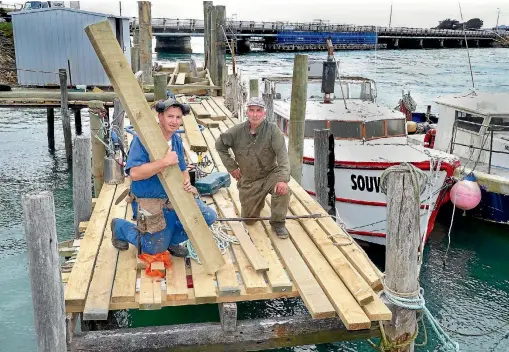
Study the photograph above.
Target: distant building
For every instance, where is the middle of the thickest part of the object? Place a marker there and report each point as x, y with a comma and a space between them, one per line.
46, 40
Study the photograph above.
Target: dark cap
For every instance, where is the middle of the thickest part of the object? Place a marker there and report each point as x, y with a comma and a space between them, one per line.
163, 105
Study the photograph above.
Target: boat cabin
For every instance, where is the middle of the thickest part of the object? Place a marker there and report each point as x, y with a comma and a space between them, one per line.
475, 127
352, 114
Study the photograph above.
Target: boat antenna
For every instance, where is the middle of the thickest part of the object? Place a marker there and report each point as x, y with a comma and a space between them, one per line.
466, 44
390, 17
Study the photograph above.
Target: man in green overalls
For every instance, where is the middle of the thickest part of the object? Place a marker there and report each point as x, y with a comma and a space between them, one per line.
260, 166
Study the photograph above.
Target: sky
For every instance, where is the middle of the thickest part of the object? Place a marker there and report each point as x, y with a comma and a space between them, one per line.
405, 13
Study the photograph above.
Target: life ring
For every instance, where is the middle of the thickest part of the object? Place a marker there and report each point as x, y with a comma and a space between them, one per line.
429, 138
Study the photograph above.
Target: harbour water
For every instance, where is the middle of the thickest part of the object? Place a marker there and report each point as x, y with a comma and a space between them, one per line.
470, 294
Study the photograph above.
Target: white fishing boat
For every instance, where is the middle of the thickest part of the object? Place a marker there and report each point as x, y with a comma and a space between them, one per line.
475, 127
368, 138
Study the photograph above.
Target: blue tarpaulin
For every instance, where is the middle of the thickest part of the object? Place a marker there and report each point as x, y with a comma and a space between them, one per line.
291, 37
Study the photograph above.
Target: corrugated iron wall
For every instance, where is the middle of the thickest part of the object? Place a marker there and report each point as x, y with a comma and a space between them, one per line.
45, 40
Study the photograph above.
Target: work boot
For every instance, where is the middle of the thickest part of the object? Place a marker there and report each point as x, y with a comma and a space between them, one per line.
118, 244
178, 250
280, 230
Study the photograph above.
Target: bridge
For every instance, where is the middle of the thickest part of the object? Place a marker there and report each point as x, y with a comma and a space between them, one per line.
174, 35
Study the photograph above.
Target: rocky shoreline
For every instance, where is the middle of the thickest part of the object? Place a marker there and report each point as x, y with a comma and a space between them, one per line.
7, 58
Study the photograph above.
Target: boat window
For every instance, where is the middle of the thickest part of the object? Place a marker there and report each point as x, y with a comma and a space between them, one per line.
342, 129
311, 126
375, 129
469, 122
396, 127
500, 122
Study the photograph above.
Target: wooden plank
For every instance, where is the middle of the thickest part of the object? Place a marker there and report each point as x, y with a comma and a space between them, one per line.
147, 301
181, 78
101, 285
158, 266
344, 303
131, 96
204, 284
354, 282
199, 110
194, 136
346, 244
176, 281
94, 202
124, 286
192, 86
310, 291
192, 157
82, 226
216, 115
173, 75
206, 122
79, 280
225, 206
227, 283
276, 275
254, 281
219, 102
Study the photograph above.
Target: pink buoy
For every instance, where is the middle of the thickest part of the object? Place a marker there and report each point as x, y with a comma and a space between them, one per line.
466, 195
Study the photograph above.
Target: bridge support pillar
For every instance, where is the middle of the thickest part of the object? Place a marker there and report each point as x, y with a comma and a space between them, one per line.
396, 43
460, 41
441, 43
176, 45
477, 43
243, 46
421, 43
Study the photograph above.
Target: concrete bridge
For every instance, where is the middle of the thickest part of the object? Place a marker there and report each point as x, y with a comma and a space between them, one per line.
173, 35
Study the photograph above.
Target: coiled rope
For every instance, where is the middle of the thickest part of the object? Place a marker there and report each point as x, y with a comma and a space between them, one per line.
223, 240
411, 300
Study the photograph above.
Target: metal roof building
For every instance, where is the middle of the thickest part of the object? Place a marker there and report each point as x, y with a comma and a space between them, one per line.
49, 39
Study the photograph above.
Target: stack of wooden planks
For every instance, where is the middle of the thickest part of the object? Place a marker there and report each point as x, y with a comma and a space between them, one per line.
319, 263
184, 80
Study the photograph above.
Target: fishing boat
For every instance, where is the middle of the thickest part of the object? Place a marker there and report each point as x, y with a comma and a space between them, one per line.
475, 128
368, 138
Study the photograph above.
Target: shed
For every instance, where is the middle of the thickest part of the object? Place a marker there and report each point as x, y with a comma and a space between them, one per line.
46, 40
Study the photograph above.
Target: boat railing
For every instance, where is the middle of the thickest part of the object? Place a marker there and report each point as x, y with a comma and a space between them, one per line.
485, 131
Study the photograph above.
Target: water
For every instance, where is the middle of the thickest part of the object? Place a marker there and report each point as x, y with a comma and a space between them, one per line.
470, 295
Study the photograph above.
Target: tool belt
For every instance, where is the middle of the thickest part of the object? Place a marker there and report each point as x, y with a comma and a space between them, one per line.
150, 212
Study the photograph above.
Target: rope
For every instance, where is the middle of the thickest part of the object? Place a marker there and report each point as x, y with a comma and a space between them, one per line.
223, 240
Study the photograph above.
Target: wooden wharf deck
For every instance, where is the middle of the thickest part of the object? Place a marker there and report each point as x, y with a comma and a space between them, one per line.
319, 262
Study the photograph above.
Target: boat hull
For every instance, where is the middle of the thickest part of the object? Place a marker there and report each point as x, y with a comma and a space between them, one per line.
360, 203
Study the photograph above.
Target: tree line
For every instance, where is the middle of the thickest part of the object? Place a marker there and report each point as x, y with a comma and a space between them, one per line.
474, 23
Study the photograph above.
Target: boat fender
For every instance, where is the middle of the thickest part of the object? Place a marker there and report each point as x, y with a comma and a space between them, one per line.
429, 138
466, 194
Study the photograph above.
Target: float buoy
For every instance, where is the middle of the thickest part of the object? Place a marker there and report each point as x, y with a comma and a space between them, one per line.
429, 138
466, 194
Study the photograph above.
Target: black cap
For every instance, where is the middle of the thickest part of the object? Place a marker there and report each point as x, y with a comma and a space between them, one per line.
163, 105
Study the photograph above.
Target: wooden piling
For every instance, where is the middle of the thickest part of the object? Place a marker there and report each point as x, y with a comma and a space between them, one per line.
268, 98
213, 45
160, 86
135, 58
207, 5
77, 121
64, 108
145, 38
50, 119
298, 115
81, 181
44, 271
221, 48
322, 167
228, 316
253, 88
401, 259
98, 151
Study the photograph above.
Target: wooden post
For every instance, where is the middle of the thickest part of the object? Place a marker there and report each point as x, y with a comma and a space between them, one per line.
321, 167
81, 181
221, 47
234, 69
268, 97
401, 259
298, 115
213, 45
160, 86
98, 151
207, 5
145, 38
44, 270
118, 118
135, 58
64, 108
253, 88
228, 316
77, 121
50, 119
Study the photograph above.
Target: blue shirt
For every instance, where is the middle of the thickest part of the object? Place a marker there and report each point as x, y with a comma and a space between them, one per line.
138, 155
